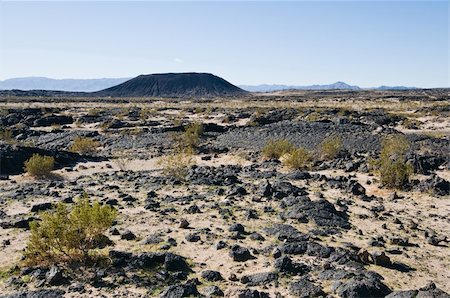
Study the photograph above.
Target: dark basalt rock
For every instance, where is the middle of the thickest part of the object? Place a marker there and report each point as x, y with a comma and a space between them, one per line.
13, 157
274, 116
44, 293
429, 291
259, 279
305, 288
248, 293
18, 223
53, 119
286, 233
181, 290
211, 275
361, 286
41, 207
284, 264
240, 254
213, 291
321, 212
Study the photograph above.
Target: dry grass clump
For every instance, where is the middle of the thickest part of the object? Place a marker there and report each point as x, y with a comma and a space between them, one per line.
6, 135
277, 148
39, 166
394, 171
330, 147
68, 236
84, 145
177, 164
297, 159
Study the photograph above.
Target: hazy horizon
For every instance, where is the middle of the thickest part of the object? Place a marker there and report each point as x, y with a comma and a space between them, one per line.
369, 44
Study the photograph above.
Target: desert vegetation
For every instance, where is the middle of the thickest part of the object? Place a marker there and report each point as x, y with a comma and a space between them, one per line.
84, 145
66, 235
394, 171
278, 195
39, 166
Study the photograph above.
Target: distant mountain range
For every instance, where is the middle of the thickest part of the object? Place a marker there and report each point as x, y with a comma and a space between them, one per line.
76, 85
335, 86
92, 85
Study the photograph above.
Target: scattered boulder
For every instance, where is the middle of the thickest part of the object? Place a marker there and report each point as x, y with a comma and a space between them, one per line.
240, 254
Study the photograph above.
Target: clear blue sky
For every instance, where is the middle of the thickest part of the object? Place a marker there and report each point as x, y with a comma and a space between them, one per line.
363, 43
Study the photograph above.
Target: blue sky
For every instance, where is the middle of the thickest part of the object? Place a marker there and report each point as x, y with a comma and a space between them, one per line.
367, 43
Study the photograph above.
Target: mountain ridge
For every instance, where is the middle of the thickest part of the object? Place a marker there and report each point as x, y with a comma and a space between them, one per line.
99, 84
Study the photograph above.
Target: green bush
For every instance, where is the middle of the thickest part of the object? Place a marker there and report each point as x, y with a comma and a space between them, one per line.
330, 147
298, 158
84, 145
394, 171
277, 148
39, 166
68, 236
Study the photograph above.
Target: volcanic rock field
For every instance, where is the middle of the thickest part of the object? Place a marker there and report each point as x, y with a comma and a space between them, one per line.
237, 223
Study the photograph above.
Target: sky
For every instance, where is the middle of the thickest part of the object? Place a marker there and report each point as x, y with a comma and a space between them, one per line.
365, 43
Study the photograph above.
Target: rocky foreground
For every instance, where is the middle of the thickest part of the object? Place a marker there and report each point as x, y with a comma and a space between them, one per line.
238, 225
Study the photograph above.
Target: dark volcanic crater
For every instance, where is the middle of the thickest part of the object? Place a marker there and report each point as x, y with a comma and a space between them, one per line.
174, 85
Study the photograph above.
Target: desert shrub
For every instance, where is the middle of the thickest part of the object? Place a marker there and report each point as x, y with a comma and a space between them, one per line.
6, 135
411, 123
93, 112
192, 133
394, 171
277, 148
39, 166
177, 164
299, 158
67, 236
330, 147
190, 138
145, 113
84, 145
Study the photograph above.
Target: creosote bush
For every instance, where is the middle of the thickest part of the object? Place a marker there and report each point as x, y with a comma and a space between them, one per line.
84, 145
39, 166
68, 236
298, 158
330, 147
394, 171
277, 148
177, 164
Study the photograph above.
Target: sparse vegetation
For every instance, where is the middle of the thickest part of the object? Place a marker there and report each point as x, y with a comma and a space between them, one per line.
330, 147
394, 171
39, 166
84, 145
299, 158
190, 138
6, 135
68, 236
177, 163
277, 148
